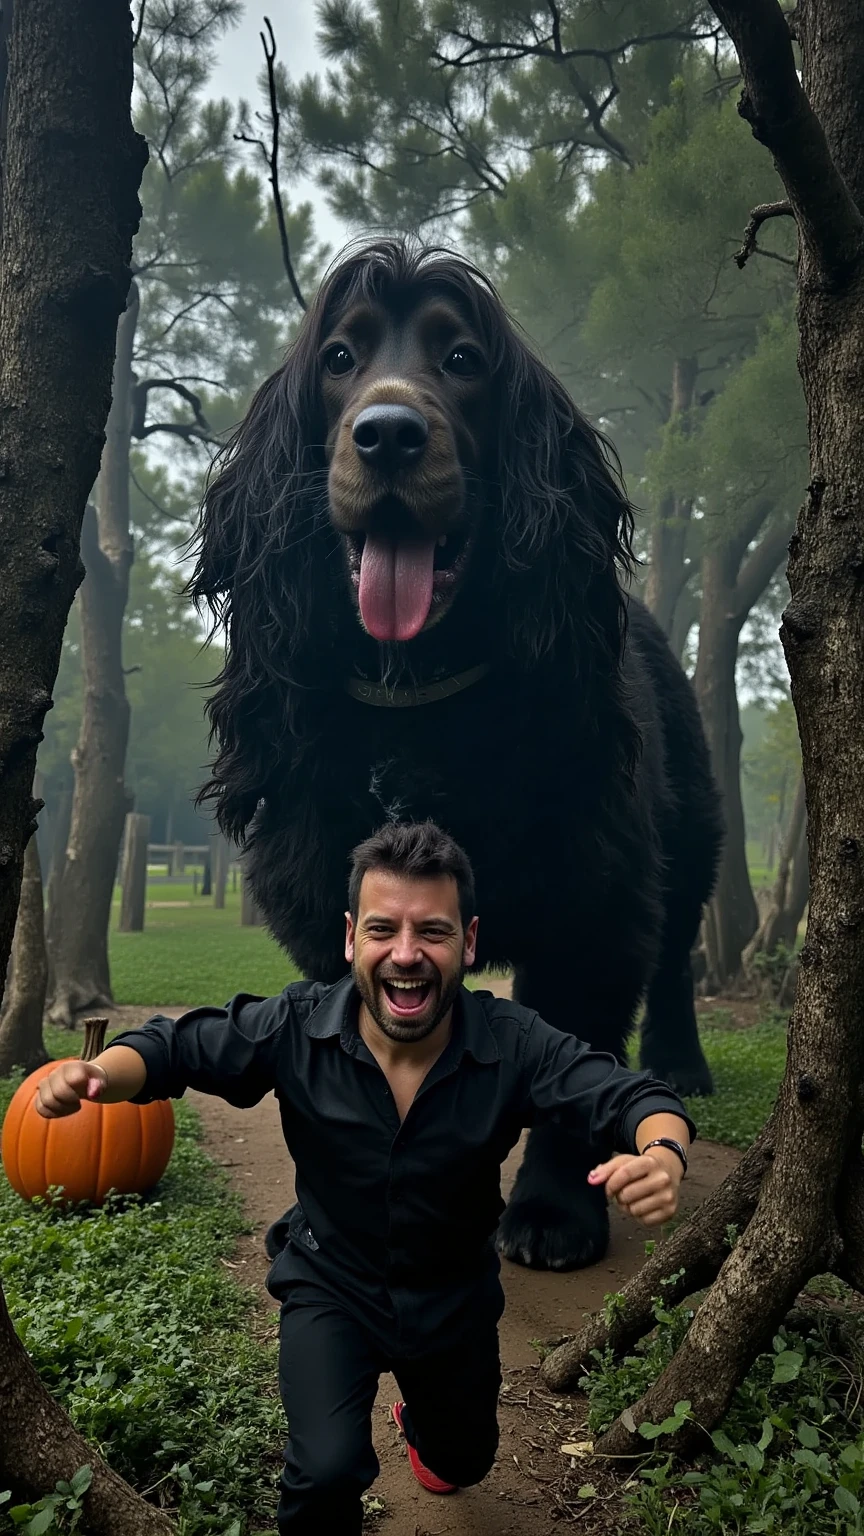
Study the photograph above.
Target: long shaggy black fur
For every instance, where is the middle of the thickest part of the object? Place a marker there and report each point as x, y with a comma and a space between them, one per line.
575, 774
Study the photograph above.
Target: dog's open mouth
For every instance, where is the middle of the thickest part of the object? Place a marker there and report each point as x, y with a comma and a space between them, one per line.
405, 580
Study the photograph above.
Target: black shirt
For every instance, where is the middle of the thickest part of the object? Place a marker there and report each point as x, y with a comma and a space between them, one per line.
398, 1219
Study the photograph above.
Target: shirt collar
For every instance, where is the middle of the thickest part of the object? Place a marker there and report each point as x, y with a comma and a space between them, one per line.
334, 1015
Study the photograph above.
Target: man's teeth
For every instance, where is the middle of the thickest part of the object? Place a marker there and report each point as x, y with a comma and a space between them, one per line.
407, 986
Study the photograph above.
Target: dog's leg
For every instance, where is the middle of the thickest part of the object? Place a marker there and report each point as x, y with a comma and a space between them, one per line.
670, 1039
554, 1219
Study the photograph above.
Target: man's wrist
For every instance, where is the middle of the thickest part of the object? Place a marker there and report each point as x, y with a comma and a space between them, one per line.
668, 1158
125, 1073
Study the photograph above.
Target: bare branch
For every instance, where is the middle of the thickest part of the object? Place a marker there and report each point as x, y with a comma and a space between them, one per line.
775, 105
271, 158
474, 52
786, 261
758, 216
499, 50
191, 431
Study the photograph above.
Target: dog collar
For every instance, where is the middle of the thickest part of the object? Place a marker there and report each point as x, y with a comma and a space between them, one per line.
406, 698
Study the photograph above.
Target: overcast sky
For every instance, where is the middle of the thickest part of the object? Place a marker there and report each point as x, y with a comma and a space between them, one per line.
241, 59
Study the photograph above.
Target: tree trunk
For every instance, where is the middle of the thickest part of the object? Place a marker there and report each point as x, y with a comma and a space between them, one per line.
21, 1042
809, 1214
250, 912
667, 571
686, 615
5, 33
791, 888
71, 170
61, 822
734, 576
133, 897
221, 858
40, 1445
71, 166
207, 876
733, 907
100, 803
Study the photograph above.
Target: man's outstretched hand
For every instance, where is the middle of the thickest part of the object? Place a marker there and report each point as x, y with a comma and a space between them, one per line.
61, 1092
645, 1187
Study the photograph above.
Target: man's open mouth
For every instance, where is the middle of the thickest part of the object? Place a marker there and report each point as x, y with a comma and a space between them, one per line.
407, 997
405, 581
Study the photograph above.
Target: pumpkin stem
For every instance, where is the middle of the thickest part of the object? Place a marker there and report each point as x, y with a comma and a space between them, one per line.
94, 1038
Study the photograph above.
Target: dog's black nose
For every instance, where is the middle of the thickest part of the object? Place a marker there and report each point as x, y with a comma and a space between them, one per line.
390, 436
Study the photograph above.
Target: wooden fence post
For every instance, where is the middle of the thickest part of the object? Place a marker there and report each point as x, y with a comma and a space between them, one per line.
178, 861
134, 893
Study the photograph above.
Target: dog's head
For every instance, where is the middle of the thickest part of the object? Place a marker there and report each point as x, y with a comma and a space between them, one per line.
410, 435
408, 388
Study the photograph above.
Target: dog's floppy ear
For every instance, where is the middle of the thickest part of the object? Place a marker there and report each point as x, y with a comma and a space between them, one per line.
263, 544
565, 524
264, 509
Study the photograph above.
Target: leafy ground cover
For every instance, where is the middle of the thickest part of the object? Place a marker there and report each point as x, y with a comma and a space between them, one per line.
134, 1324
789, 1457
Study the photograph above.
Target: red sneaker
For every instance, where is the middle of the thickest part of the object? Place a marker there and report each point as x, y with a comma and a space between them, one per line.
425, 1478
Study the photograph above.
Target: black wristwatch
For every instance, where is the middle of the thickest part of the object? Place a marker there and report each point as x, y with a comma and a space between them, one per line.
674, 1146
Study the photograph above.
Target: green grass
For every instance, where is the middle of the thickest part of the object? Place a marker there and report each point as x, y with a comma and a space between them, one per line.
133, 1323
193, 955
747, 1065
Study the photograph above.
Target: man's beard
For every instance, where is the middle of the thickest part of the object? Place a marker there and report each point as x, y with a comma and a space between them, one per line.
406, 1031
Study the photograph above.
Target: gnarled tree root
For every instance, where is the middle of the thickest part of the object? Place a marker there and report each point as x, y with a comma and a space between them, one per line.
788, 1240
39, 1446
689, 1261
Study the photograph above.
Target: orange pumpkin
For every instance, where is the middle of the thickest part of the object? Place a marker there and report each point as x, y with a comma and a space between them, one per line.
125, 1147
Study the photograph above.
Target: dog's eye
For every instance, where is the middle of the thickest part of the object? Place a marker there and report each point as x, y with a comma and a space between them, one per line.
465, 362
338, 360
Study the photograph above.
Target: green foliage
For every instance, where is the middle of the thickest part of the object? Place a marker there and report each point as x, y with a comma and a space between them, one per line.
429, 109
789, 1456
58, 1511
754, 438
612, 1384
132, 1323
665, 233
772, 968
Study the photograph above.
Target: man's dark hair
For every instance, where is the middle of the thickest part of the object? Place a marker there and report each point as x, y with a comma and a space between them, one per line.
417, 850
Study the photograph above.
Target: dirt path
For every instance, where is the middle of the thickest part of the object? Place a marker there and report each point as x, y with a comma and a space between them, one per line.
521, 1496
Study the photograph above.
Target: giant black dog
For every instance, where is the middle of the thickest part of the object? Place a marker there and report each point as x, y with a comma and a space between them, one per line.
417, 545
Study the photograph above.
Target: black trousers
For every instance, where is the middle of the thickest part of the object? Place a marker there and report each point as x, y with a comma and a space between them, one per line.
329, 1366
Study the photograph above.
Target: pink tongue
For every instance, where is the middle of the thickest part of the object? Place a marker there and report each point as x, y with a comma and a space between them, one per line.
396, 586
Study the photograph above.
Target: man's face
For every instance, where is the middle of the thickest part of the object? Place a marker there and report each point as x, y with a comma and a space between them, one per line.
408, 951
